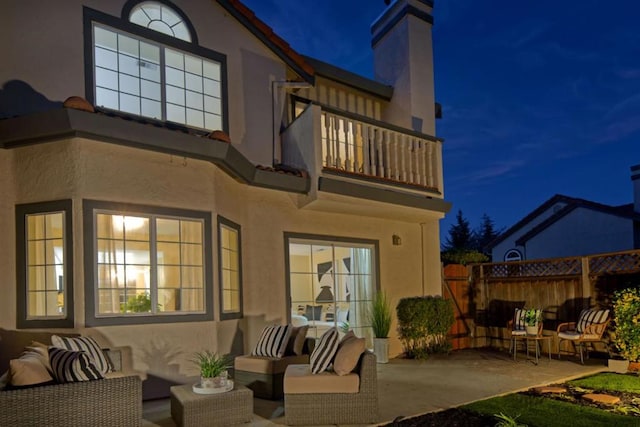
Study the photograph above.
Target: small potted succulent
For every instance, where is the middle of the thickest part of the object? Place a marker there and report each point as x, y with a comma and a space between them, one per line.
213, 369
532, 317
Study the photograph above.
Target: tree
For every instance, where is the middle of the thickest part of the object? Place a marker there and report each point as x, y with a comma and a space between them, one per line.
460, 235
485, 234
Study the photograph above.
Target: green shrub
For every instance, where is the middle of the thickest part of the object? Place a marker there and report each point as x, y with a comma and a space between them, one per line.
626, 309
463, 256
423, 325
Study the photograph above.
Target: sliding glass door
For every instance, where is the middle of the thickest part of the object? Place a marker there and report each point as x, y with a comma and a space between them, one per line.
331, 284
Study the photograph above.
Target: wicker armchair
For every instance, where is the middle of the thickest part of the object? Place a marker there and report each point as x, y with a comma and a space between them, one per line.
589, 329
337, 408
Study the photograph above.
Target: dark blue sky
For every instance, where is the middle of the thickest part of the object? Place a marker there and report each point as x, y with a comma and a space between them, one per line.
538, 98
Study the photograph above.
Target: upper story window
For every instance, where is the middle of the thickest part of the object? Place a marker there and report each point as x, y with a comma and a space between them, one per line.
146, 64
45, 285
161, 18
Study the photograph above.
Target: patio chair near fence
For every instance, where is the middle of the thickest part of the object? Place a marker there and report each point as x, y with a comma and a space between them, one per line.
589, 329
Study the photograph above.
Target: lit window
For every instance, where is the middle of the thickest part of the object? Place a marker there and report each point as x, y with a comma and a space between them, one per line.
160, 18
145, 73
230, 269
44, 233
513, 255
332, 284
149, 264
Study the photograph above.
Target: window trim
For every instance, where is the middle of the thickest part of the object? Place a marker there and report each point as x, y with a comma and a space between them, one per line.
91, 15
330, 239
131, 4
21, 211
513, 251
240, 313
88, 217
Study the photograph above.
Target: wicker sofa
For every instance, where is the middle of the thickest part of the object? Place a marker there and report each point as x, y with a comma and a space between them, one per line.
327, 398
115, 401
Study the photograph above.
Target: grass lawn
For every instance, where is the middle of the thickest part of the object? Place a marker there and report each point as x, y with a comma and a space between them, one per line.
610, 381
541, 412
538, 411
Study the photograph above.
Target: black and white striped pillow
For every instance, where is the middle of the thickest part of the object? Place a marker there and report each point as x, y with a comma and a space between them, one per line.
70, 366
86, 344
325, 350
589, 317
273, 341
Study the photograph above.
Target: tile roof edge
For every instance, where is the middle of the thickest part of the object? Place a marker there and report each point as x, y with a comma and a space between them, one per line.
260, 29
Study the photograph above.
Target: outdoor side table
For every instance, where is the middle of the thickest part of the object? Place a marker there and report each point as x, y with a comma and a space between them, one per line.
537, 340
189, 409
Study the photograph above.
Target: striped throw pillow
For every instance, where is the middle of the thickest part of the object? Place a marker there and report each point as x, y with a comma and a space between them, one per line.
273, 341
86, 344
589, 317
518, 319
325, 351
71, 366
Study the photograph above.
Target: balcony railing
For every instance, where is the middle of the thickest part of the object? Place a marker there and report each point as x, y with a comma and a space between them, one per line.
375, 150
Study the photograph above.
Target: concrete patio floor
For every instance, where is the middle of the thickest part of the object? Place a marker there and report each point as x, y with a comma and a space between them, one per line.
407, 388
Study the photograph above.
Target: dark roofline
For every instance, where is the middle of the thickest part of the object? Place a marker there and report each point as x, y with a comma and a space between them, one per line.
64, 123
348, 78
265, 34
572, 204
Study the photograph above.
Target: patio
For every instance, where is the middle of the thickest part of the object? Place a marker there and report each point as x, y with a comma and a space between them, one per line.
408, 387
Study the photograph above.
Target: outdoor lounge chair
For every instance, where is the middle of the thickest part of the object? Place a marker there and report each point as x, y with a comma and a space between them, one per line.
589, 329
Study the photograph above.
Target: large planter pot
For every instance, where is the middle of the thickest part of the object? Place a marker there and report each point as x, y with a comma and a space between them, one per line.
381, 349
634, 367
619, 366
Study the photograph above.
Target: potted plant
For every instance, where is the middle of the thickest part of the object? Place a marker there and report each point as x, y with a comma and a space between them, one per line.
626, 337
532, 317
213, 369
380, 318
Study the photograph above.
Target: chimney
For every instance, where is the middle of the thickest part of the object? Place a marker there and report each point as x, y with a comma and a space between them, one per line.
403, 58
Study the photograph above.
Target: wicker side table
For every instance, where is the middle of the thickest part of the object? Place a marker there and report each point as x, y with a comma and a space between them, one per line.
223, 409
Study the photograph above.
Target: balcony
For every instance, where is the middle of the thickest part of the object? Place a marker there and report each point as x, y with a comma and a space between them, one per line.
359, 148
355, 156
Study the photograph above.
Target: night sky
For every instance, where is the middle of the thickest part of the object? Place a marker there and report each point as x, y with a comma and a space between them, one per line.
539, 97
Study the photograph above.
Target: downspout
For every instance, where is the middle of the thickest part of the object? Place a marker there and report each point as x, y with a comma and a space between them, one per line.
422, 224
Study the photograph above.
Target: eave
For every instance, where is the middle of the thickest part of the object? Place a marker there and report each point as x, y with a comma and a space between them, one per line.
61, 124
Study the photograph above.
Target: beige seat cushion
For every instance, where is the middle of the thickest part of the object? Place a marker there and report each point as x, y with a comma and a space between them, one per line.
298, 379
267, 365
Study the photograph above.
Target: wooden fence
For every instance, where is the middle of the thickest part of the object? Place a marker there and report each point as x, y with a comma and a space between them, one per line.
486, 295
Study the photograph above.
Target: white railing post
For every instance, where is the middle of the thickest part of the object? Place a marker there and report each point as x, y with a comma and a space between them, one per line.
411, 158
347, 146
403, 161
379, 155
366, 163
327, 131
387, 148
396, 174
336, 132
430, 163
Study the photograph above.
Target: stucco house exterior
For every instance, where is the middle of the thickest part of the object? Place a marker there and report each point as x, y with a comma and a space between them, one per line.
214, 181
565, 226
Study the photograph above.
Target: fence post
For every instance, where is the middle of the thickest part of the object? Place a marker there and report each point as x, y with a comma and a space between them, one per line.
586, 282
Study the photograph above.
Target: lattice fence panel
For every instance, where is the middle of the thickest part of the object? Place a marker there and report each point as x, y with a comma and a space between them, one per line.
542, 268
617, 263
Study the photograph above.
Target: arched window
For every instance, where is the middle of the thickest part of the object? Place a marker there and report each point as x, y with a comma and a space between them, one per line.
161, 18
513, 255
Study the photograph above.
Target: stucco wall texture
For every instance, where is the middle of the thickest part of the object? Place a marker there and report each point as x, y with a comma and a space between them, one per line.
84, 169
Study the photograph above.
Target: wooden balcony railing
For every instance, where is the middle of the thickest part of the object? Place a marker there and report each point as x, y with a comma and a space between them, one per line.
371, 149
